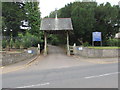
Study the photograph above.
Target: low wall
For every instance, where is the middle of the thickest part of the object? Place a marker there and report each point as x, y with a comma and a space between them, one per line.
10, 58
97, 53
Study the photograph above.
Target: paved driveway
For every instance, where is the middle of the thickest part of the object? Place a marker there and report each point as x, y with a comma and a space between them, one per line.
57, 58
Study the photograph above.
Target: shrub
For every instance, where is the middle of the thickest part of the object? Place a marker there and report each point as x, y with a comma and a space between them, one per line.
17, 44
35, 41
86, 44
4, 43
27, 40
11, 43
54, 40
113, 42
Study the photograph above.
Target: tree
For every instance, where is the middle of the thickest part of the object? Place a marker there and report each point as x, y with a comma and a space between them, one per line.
88, 17
33, 17
12, 14
83, 22
106, 20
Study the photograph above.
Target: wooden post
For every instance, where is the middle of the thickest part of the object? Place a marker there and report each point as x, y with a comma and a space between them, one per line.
45, 45
68, 48
92, 43
101, 43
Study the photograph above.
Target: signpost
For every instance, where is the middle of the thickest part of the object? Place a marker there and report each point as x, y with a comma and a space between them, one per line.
96, 36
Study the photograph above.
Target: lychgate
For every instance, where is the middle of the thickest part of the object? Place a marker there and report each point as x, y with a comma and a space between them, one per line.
56, 25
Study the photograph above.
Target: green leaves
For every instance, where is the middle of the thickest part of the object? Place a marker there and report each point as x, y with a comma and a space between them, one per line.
33, 17
12, 17
83, 21
88, 17
13, 13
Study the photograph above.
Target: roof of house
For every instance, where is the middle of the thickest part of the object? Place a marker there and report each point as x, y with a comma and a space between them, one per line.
56, 24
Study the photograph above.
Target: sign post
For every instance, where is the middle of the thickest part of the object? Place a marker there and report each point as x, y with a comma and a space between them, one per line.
96, 36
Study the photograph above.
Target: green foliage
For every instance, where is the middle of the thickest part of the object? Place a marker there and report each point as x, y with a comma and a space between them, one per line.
107, 47
86, 44
53, 39
106, 20
113, 42
33, 17
88, 17
83, 22
29, 40
12, 15
57, 39
26, 43
11, 43
4, 43
17, 44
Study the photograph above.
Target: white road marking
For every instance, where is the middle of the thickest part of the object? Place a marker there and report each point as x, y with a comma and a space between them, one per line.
107, 74
34, 85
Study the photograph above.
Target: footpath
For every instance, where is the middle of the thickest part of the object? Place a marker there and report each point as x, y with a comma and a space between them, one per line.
98, 60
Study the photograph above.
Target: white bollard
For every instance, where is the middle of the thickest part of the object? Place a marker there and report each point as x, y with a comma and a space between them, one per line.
38, 48
74, 48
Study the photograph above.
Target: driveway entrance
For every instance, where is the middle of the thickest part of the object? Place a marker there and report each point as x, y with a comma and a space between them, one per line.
57, 58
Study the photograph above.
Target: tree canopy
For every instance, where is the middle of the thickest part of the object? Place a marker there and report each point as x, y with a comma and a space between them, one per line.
13, 13
88, 17
21, 14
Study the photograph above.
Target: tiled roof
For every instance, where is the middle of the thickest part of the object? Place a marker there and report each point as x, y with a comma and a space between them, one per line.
56, 24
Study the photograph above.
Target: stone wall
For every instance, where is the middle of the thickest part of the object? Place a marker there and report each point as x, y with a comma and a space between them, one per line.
10, 58
97, 53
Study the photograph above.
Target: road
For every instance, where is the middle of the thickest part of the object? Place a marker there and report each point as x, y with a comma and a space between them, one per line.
60, 71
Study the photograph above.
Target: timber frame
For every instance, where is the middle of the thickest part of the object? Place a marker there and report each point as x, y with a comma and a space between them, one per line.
56, 25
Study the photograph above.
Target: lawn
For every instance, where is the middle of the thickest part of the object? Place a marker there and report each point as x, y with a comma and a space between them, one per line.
103, 47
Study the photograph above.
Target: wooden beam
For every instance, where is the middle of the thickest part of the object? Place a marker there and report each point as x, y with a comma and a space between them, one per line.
68, 48
45, 45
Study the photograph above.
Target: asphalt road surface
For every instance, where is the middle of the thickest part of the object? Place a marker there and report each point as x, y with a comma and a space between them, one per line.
45, 74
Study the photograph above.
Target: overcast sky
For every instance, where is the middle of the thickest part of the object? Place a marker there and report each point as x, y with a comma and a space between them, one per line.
46, 6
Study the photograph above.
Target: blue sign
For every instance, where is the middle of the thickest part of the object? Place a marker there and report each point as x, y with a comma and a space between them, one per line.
30, 51
96, 36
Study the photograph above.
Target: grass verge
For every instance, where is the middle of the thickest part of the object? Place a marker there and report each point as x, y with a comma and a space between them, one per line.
105, 47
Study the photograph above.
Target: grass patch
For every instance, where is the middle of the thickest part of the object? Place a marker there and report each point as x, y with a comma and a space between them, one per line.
105, 47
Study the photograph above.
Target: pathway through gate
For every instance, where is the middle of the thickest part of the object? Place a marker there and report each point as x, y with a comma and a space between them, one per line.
56, 25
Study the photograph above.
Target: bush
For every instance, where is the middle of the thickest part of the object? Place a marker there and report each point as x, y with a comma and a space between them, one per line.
4, 43
17, 44
35, 41
26, 42
11, 43
54, 40
113, 42
29, 40
86, 44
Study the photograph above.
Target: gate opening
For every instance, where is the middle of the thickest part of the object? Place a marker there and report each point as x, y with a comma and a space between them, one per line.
56, 26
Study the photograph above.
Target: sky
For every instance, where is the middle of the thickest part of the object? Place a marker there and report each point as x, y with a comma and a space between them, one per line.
46, 6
